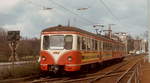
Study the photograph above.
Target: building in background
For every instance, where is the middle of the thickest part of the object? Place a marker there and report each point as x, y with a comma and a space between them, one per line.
137, 46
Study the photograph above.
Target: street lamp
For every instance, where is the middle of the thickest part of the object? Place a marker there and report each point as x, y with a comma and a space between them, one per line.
82, 8
47, 8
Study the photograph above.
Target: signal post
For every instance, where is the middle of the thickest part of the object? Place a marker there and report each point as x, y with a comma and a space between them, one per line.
13, 38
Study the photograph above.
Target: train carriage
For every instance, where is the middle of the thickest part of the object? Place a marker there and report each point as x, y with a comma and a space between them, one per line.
65, 48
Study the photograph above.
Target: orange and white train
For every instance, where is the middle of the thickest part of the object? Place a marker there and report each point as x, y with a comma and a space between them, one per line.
66, 48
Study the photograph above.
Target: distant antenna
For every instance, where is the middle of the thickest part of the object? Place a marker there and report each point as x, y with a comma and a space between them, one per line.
68, 23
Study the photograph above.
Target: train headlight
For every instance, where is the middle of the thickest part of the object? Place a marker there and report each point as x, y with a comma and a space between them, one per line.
69, 58
43, 58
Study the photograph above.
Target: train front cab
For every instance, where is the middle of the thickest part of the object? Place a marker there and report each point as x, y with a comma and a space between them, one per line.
58, 53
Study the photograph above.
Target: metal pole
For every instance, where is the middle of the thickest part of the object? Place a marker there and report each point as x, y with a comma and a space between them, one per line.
12, 45
148, 14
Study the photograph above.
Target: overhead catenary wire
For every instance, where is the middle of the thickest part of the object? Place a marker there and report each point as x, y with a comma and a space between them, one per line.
61, 6
35, 4
110, 11
89, 22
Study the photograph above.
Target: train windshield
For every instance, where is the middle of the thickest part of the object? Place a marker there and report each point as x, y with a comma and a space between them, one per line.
57, 42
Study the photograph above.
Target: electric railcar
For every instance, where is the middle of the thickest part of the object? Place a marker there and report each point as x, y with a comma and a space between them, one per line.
66, 48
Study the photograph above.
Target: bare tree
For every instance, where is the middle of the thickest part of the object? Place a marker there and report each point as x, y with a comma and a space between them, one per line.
28, 47
4, 48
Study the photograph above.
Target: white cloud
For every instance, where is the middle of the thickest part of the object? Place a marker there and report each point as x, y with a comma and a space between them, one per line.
26, 29
13, 27
46, 14
31, 19
7, 5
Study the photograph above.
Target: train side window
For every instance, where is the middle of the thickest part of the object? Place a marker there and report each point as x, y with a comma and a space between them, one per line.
114, 47
93, 44
83, 43
111, 46
46, 42
96, 45
121, 48
117, 47
104, 46
88, 44
101, 46
79, 43
107, 45
68, 41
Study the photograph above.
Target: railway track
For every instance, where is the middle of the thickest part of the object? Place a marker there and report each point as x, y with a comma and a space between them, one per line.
115, 70
128, 75
115, 74
122, 72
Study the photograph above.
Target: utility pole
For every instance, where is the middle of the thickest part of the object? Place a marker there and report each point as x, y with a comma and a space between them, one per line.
109, 30
148, 14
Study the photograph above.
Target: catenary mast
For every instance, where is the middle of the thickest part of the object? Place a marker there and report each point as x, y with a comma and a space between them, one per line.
148, 14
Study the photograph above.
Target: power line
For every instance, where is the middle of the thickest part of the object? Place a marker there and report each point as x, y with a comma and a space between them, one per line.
109, 10
70, 11
87, 20
35, 4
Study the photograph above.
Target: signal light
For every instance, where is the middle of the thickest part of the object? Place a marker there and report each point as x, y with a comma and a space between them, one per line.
13, 35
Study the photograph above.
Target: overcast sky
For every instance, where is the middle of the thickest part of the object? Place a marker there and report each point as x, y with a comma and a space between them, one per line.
29, 17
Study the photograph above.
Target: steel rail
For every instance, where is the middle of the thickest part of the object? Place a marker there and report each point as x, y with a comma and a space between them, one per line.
126, 72
100, 77
108, 74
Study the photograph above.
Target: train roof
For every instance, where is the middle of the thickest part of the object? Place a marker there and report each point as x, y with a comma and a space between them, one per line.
75, 29
67, 28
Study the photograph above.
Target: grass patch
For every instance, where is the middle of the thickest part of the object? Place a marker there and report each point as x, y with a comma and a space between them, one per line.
19, 70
